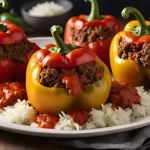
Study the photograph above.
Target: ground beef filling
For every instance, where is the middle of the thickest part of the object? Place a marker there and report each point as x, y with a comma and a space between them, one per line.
15, 51
140, 54
86, 74
92, 34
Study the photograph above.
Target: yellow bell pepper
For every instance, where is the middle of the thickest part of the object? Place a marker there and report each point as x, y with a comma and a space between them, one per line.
55, 100
128, 70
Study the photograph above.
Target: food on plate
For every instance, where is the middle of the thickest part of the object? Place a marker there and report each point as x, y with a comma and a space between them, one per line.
65, 76
130, 51
123, 95
94, 31
109, 114
46, 9
68, 86
15, 51
20, 113
121, 110
79, 118
10, 92
46, 120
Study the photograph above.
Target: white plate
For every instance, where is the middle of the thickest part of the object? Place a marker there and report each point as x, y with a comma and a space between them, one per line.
41, 41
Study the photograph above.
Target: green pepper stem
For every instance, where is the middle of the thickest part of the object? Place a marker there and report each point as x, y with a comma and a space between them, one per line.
59, 42
94, 14
142, 27
3, 3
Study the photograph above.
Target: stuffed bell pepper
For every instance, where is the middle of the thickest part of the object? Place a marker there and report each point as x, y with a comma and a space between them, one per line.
15, 51
63, 76
94, 31
130, 51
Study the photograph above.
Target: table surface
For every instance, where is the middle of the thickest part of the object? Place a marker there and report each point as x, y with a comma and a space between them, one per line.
12, 141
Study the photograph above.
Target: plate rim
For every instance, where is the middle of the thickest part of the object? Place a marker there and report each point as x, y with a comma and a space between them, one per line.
29, 130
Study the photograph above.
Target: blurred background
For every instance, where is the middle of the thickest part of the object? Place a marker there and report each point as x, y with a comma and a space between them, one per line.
113, 7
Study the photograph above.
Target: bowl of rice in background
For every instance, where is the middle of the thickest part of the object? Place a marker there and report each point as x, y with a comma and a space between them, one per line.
43, 14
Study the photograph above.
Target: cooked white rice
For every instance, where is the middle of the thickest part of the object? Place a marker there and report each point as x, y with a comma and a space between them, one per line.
23, 113
66, 123
20, 113
46, 9
145, 99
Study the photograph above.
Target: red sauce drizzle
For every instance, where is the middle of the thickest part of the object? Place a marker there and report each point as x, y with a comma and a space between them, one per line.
50, 120
72, 81
79, 116
10, 92
133, 39
130, 37
46, 120
123, 95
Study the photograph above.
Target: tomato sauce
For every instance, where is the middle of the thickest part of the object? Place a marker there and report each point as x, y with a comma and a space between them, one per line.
50, 120
46, 120
79, 116
123, 95
72, 81
133, 39
10, 92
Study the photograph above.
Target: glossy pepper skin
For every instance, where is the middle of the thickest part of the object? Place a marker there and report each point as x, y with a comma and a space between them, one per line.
100, 47
10, 70
134, 32
54, 100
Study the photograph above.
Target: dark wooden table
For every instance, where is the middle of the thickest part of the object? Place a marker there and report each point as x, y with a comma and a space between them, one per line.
12, 141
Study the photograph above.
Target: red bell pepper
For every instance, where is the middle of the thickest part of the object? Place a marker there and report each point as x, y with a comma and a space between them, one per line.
10, 69
61, 55
10, 33
78, 23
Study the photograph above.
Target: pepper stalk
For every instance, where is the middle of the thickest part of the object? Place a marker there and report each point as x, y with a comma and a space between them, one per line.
142, 28
94, 14
60, 47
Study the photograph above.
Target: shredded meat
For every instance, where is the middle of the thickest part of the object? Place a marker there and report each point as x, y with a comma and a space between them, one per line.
92, 34
140, 54
89, 73
56, 77
15, 51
